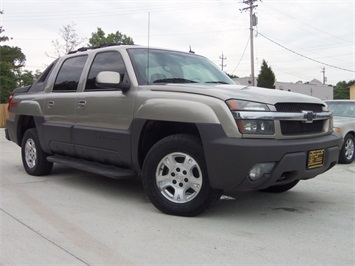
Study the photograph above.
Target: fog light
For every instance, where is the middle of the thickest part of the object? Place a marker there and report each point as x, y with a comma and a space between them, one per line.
259, 170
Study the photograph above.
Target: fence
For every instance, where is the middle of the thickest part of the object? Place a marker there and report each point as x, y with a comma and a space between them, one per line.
3, 114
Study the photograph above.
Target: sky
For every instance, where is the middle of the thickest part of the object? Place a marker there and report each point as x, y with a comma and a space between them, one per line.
298, 39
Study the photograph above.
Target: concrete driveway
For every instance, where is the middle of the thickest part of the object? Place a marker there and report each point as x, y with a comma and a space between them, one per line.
73, 217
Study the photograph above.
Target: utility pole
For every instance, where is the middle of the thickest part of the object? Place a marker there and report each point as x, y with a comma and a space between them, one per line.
223, 58
324, 77
253, 22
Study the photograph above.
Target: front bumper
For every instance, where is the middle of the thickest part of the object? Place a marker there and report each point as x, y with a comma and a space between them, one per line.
229, 160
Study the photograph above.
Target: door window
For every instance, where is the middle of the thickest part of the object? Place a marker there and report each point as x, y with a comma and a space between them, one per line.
69, 74
107, 61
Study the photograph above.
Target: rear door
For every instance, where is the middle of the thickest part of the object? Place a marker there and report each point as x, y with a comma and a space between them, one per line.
59, 106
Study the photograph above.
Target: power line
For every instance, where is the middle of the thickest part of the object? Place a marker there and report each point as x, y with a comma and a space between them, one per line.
304, 56
82, 13
240, 60
288, 16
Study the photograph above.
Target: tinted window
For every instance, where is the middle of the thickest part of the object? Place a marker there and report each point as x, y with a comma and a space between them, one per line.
41, 82
158, 66
69, 74
107, 61
46, 72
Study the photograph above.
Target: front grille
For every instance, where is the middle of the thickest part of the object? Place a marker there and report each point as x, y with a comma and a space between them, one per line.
297, 127
289, 128
298, 107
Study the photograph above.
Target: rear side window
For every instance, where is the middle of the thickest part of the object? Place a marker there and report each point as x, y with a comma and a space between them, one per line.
43, 78
69, 74
106, 61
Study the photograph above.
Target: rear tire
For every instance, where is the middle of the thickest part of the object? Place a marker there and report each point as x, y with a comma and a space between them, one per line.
33, 158
280, 188
175, 177
346, 155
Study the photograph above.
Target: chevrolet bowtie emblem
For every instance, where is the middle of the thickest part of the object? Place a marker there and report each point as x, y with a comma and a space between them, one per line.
309, 116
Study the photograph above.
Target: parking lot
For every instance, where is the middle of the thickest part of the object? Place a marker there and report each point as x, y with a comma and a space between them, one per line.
78, 218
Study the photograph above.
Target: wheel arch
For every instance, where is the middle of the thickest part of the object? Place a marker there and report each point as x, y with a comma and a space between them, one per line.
352, 132
24, 122
152, 131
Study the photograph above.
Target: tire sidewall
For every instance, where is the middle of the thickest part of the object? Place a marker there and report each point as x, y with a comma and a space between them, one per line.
42, 166
342, 158
176, 143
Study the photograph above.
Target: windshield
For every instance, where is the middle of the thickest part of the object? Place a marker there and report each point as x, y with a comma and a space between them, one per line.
162, 66
346, 109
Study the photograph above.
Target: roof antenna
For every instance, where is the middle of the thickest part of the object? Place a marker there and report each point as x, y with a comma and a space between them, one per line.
147, 77
191, 50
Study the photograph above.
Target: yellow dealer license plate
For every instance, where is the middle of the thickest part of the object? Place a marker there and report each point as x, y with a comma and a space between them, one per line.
315, 159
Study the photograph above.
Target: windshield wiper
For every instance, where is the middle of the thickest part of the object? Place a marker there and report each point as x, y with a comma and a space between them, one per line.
217, 82
174, 80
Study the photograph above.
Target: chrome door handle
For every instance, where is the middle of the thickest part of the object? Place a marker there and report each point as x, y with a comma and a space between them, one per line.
50, 104
81, 104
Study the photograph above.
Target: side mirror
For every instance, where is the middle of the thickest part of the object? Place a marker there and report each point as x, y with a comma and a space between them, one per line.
108, 79
112, 80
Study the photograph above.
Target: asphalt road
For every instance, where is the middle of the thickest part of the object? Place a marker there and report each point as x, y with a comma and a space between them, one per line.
73, 217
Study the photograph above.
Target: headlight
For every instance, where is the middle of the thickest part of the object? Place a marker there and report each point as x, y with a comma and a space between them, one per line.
260, 124
239, 105
263, 127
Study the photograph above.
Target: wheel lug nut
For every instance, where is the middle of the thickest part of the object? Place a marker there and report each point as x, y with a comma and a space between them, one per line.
172, 174
184, 172
186, 180
174, 182
181, 184
177, 169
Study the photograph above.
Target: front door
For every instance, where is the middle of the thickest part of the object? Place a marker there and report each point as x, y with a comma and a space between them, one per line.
103, 116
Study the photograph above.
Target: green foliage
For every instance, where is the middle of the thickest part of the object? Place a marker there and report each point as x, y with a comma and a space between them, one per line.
26, 78
266, 77
232, 76
3, 38
99, 37
11, 61
7, 81
341, 90
13, 56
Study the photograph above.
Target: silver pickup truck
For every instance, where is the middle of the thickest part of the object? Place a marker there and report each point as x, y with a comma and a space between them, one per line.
173, 119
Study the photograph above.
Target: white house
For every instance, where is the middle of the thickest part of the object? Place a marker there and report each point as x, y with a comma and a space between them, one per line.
314, 88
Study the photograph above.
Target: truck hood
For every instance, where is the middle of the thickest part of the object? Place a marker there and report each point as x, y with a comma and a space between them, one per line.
248, 93
343, 120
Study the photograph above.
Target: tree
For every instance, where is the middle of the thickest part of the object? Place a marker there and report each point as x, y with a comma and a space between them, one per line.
11, 61
3, 38
69, 41
27, 77
7, 81
99, 37
341, 90
266, 77
232, 76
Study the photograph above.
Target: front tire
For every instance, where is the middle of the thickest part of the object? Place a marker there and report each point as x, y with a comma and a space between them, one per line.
175, 177
33, 158
347, 151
